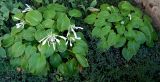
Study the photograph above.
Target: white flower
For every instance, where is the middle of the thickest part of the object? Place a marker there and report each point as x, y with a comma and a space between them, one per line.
28, 8
16, 18
122, 22
74, 37
130, 16
20, 25
52, 39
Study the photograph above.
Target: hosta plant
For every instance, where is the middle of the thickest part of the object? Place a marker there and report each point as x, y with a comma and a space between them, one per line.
45, 39
123, 27
7, 7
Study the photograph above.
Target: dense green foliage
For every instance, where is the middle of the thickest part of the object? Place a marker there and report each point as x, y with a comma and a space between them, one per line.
6, 8
40, 41
125, 27
107, 66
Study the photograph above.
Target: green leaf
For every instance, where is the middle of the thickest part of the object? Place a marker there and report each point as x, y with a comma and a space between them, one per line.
147, 21
90, 19
133, 46
5, 12
136, 22
127, 54
120, 42
18, 15
49, 14
63, 22
15, 62
15, 11
62, 47
80, 47
20, 48
7, 40
46, 50
33, 17
131, 34
125, 5
29, 51
24, 62
138, 12
105, 31
100, 22
55, 60
104, 7
113, 9
62, 68
48, 23
37, 64
96, 32
82, 60
112, 38
40, 34
145, 29
75, 13
140, 37
28, 34
93, 3
2, 53
18, 37
120, 29
72, 66
15, 30
103, 15
57, 7
115, 17
101, 32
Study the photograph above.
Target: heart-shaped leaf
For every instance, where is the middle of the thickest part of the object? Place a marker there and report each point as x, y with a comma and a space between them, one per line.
63, 22
75, 13
49, 14
82, 60
48, 23
20, 48
90, 19
28, 34
2, 53
46, 50
37, 64
7, 40
55, 60
33, 17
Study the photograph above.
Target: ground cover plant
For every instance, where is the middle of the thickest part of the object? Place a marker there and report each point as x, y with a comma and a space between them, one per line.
45, 38
6, 9
123, 26
108, 65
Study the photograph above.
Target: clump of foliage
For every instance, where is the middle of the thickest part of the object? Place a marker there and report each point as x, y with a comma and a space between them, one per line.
6, 8
45, 39
124, 27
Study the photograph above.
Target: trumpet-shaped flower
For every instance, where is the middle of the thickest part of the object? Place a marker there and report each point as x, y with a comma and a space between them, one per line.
28, 8
20, 25
72, 35
130, 16
52, 39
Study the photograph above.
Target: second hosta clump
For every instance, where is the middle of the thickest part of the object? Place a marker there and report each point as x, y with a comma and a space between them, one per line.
44, 39
123, 26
